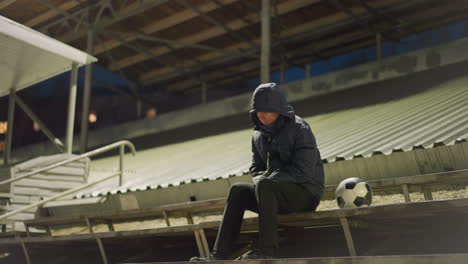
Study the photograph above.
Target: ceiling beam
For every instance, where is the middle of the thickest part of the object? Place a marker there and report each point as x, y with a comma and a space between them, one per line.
51, 13
318, 47
162, 24
283, 8
6, 3
251, 68
122, 13
209, 19
311, 26
339, 5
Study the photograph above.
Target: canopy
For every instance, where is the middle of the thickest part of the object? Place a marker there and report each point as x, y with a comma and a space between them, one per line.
28, 57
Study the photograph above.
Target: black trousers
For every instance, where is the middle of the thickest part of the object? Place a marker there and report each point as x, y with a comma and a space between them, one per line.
268, 198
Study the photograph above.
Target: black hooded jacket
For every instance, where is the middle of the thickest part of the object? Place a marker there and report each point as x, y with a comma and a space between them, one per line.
287, 146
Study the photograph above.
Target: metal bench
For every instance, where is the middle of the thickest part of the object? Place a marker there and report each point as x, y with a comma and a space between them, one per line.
346, 218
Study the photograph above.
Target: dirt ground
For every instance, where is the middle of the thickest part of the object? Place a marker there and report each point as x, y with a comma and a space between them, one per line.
439, 193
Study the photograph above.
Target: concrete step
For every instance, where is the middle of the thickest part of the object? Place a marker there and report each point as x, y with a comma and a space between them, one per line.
25, 199
45, 184
44, 161
53, 177
63, 170
33, 191
13, 207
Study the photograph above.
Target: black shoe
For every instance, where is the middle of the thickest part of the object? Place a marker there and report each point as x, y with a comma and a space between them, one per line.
259, 254
210, 257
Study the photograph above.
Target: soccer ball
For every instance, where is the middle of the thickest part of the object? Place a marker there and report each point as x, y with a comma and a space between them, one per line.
353, 192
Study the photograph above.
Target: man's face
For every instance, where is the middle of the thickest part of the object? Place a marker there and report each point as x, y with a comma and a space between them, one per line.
267, 118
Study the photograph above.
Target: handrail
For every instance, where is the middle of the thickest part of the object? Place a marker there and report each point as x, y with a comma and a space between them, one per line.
65, 193
117, 144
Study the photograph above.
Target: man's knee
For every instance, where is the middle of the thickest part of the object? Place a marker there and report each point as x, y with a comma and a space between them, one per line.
265, 184
237, 188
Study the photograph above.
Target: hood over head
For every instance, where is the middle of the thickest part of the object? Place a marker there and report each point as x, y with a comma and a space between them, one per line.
268, 97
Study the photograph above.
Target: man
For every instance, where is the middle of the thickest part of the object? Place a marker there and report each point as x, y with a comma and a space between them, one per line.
287, 172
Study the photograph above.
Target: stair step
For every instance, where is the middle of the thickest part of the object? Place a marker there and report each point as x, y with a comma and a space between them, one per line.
13, 207
23, 199
65, 178
63, 170
5, 195
22, 216
44, 161
52, 185
28, 191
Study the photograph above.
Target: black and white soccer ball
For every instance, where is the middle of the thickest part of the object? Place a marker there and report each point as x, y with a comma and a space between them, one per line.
353, 192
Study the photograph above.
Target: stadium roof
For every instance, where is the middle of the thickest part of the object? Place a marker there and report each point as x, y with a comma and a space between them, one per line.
216, 41
434, 117
29, 57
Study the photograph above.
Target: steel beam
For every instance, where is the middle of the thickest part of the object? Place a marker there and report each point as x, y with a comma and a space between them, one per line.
283, 69
308, 71
162, 24
348, 236
10, 121
86, 94
26, 253
178, 44
6, 3
213, 21
135, 8
152, 56
51, 13
378, 46
56, 141
237, 24
266, 41
312, 29
71, 109
340, 6
203, 92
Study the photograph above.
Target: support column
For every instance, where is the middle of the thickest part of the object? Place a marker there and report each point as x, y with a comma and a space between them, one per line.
308, 71
266, 41
283, 69
378, 44
203, 93
11, 118
138, 108
86, 94
71, 108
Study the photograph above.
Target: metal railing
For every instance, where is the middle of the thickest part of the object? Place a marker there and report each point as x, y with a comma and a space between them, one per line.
120, 144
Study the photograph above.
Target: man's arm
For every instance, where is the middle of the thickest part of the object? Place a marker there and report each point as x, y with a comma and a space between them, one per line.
304, 161
257, 167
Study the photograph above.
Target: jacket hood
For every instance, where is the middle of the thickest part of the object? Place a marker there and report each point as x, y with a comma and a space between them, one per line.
268, 97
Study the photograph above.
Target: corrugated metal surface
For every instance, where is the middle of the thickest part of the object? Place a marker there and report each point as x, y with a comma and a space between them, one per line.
438, 116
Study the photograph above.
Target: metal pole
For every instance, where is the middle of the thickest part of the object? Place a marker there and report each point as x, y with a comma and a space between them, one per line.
378, 39
138, 108
86, 94
122, 152
283, 71
71, 108
11, 117
203, 93
266, 41
308, 71
26, 253
42, 126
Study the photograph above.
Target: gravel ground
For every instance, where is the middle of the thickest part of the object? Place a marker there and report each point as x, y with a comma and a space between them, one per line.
439, 193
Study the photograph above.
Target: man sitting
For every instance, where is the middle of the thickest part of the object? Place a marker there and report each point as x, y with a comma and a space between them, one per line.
287, 172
